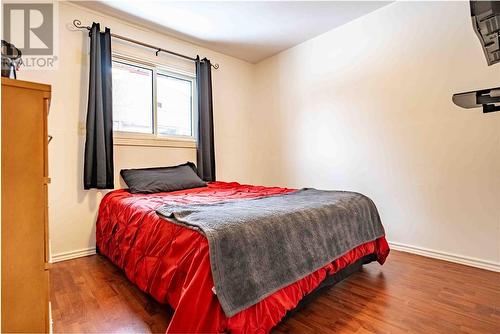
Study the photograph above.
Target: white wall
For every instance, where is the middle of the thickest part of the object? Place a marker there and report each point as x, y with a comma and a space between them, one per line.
72, 210
367, 107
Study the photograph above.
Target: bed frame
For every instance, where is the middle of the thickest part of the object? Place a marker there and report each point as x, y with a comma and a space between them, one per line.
330, 281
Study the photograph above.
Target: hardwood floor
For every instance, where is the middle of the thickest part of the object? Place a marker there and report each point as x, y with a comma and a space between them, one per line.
92, 295
409, 294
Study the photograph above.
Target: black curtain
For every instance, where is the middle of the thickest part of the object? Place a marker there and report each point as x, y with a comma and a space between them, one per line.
98, 165
205, 137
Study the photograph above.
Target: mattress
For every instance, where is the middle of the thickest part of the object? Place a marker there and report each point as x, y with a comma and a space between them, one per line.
171, 262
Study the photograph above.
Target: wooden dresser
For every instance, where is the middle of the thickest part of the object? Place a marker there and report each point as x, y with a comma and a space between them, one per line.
25, 251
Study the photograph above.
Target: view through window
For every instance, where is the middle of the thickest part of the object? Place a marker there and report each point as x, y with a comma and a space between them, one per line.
136, 87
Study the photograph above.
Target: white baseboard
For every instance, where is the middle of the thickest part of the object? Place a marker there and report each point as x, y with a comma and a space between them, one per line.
465, 260
72, 254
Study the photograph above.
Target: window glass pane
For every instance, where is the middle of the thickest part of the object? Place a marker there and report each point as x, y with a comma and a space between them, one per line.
132, 98
174, 97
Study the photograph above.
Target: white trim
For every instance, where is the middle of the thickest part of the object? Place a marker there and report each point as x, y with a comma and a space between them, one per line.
179, 142
72, 254
139, 60
465, 260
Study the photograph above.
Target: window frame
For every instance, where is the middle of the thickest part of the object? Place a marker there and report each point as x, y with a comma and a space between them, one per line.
128, 138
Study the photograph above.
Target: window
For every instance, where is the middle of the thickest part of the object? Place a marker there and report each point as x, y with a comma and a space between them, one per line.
151, 101
175, 101
132, 98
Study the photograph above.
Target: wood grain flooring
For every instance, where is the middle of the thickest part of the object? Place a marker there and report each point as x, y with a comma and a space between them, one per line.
409, 294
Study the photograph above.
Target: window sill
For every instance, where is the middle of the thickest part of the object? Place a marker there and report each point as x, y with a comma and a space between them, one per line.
121, 140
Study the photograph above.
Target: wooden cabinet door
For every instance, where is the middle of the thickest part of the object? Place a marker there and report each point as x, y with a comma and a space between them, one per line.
24, 202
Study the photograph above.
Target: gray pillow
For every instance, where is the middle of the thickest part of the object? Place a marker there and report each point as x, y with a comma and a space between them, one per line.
162, 179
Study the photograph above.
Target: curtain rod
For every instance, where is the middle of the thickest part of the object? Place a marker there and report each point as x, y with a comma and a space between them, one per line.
78, 24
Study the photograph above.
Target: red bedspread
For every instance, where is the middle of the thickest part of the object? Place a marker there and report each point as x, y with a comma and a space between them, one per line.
171, 262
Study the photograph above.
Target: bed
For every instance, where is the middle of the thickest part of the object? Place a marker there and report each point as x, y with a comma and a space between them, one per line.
171, 262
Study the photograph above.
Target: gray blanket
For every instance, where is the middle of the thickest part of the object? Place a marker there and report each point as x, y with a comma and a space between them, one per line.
261, 245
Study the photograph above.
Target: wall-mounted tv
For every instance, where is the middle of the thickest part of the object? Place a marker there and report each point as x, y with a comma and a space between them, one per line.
486, 22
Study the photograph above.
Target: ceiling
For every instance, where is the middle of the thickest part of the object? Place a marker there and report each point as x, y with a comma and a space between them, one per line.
249, 30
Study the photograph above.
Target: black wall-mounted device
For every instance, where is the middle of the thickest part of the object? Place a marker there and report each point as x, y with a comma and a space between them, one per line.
486, 23
489, 99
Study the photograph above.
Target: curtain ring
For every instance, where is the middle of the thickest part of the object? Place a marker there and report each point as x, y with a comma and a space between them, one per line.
157, 52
